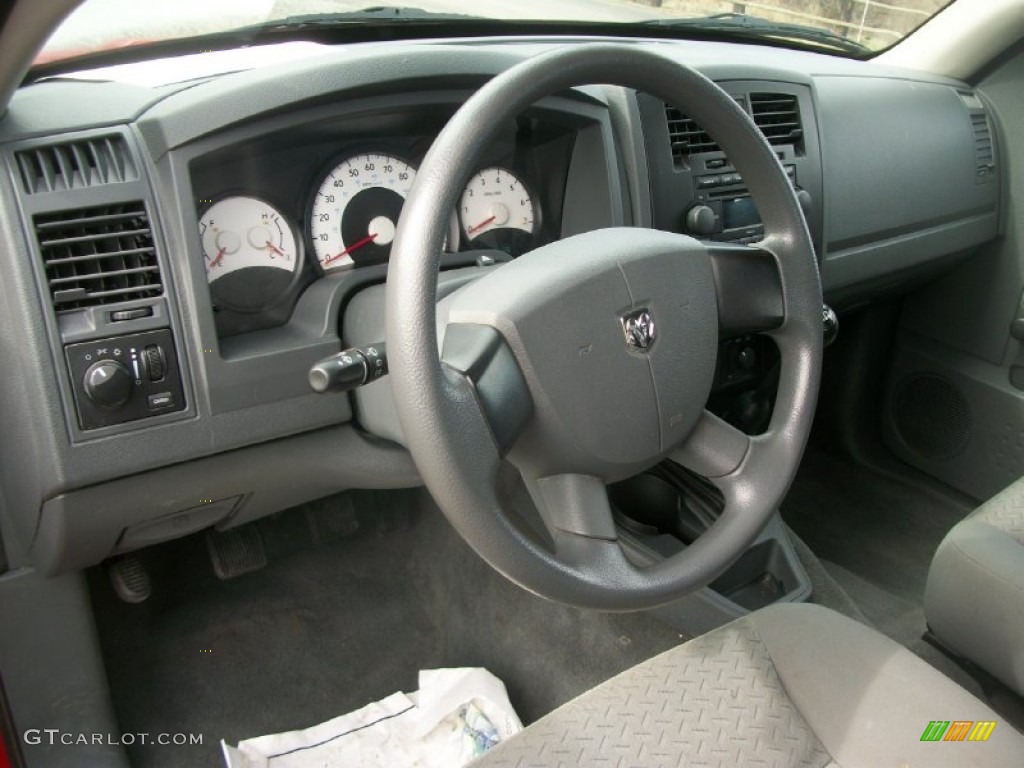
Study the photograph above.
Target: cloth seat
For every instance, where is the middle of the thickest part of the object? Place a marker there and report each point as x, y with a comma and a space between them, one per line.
974, 599
789, 685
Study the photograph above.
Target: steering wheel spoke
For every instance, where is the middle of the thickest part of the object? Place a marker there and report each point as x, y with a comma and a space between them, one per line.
578, 515
749, 289
573, 504
480, 354
714, 449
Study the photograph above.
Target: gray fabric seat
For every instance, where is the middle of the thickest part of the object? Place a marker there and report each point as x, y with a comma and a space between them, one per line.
790, 685
974, 600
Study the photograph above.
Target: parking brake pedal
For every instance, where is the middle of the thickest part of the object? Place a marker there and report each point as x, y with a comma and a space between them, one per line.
130, 579
236, 551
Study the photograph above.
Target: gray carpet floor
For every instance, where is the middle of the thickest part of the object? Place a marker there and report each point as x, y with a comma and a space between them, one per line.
881, 527
325, 629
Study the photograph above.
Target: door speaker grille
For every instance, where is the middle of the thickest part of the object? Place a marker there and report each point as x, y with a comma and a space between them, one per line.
932, 417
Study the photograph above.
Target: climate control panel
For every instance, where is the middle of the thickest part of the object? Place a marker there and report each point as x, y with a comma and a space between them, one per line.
125, 378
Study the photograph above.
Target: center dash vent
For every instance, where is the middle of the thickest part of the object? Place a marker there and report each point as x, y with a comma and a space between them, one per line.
778, 117
76, 165
686, 137
98, 256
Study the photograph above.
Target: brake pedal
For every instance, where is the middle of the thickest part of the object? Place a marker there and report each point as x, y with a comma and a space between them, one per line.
236, 551
130, 579
394, 515
332, 518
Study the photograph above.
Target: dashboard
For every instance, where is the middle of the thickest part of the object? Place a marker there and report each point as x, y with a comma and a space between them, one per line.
178, 254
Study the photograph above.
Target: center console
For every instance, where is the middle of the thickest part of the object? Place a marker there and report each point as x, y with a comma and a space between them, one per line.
664, 510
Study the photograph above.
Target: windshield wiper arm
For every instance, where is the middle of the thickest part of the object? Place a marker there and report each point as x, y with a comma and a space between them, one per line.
755, 27
372, 14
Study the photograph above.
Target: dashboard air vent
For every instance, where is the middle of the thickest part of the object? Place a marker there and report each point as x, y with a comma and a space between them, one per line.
686, 137
778, 117
984, 152
98, 255
76, 165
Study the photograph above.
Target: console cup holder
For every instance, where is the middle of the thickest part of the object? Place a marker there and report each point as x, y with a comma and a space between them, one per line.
763, 575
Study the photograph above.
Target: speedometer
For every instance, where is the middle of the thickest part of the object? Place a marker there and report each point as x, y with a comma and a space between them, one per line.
356, 209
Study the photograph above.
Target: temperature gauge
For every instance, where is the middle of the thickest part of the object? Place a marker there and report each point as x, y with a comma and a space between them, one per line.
251, 253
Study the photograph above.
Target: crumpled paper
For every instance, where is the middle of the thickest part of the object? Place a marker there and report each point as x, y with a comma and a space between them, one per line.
455, 716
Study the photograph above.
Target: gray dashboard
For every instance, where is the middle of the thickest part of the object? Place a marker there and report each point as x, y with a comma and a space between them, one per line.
901, 175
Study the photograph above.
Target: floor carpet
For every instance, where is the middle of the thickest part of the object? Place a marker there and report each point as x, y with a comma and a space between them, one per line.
327, 628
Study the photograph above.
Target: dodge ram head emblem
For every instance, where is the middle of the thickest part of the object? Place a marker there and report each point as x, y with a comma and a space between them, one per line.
638, 328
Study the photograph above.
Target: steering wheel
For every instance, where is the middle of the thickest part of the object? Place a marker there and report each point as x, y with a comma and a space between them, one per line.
591, 359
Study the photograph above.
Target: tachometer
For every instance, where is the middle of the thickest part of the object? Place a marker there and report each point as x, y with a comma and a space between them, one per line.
497, 211
251, 253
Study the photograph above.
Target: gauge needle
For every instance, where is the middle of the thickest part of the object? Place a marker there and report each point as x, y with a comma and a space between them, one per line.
217, 259
357, 244
276, 250
481, 225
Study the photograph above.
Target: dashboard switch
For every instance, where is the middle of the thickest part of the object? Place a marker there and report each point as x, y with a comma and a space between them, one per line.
154, 357
349, 369
830, 324
161, 400
116, 379
120, 315
108, 383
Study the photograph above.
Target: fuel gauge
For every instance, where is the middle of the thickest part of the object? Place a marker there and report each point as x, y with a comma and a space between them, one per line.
251, 253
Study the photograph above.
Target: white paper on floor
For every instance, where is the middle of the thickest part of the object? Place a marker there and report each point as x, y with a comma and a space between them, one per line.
455, 716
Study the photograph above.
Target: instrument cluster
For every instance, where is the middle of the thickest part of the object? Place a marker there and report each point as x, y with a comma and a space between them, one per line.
255, 253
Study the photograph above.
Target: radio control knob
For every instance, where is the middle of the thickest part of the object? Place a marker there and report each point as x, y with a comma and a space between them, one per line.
701, 220
108, 383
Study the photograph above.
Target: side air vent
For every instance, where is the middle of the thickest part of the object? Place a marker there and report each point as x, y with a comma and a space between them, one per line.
778, 117
984, 146
686, 137
76, 165
98, 255
984, 152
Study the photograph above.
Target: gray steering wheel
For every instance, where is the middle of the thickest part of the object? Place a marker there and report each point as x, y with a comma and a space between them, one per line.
591, 359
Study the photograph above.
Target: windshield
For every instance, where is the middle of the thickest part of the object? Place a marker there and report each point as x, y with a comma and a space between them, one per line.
872, 25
